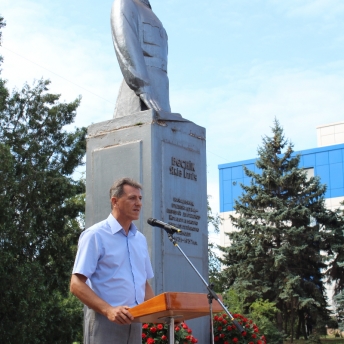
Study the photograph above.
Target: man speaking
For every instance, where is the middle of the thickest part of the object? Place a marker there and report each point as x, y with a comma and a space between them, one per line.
112, 268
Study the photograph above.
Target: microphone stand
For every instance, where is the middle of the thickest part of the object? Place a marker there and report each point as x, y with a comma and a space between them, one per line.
210, 301
211, 295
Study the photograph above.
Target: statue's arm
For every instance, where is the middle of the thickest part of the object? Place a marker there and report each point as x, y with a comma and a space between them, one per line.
126, 39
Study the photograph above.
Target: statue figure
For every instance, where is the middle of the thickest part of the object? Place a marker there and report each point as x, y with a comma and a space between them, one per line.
140, 43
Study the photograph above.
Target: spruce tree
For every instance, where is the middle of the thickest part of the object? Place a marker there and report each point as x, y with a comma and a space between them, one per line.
336, 270
283, 235
339, 300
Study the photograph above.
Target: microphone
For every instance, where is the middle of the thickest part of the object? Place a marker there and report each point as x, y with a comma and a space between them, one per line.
156, 223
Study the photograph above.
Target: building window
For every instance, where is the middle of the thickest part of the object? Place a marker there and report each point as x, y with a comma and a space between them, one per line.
309, 172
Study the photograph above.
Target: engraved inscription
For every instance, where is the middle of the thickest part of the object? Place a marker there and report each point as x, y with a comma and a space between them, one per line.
183, 215
183, 168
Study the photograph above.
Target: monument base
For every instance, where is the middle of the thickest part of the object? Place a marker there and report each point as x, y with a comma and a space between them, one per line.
167, 155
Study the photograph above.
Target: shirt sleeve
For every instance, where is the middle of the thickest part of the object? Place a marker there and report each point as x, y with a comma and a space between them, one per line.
88, 254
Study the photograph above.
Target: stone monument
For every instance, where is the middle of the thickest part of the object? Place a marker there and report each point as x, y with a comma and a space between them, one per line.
162, 150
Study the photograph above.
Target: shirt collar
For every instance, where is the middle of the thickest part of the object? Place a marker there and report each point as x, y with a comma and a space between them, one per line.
116, 227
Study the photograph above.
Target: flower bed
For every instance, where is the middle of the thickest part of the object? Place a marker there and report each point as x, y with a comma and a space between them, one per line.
225, 331
158, 334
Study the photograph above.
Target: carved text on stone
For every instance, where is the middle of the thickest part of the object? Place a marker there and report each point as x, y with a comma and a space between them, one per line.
183, 215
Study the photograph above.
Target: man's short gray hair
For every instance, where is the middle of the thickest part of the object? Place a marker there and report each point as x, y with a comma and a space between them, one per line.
116, 189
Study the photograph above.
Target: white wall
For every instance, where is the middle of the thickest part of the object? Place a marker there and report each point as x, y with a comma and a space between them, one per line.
330, 134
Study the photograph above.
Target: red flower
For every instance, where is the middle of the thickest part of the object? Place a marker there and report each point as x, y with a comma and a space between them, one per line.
157, 333
254, 335
255, 329
235, 340
216, 338
221, 335
244, 333
250, 342
259, 341
216, 318
224, 321
224, 315
225, 342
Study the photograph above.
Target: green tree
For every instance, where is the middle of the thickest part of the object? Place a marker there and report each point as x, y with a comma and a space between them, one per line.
339, 301
261, 312
284, 236
41, 209
336, 271
214, 265
3, 89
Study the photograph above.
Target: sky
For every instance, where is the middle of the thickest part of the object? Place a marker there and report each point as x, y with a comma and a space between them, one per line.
234, 65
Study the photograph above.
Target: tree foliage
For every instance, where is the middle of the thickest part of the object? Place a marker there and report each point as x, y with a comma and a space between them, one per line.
41, 208
262, 312
339, 301
214, 265
285, 238
336, 271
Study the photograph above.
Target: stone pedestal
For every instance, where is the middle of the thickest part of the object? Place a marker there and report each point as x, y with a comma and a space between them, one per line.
167, 155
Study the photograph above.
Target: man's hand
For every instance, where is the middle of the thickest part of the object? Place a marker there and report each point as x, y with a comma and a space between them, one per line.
150, 102
119, 315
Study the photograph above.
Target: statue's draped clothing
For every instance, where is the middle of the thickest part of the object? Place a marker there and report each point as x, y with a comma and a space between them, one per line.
140, 42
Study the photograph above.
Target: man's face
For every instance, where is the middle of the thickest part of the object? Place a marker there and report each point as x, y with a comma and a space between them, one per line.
128, 206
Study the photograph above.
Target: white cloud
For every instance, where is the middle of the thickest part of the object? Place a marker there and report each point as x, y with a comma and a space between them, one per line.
236, 116
76, 64
301, 100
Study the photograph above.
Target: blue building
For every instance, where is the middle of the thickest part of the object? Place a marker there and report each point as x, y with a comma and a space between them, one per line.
325, 162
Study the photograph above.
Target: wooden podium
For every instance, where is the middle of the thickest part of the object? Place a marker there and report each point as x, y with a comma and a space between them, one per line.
171, 306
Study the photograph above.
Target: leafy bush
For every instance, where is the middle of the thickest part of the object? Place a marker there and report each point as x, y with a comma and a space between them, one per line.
225, 332
263, 313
